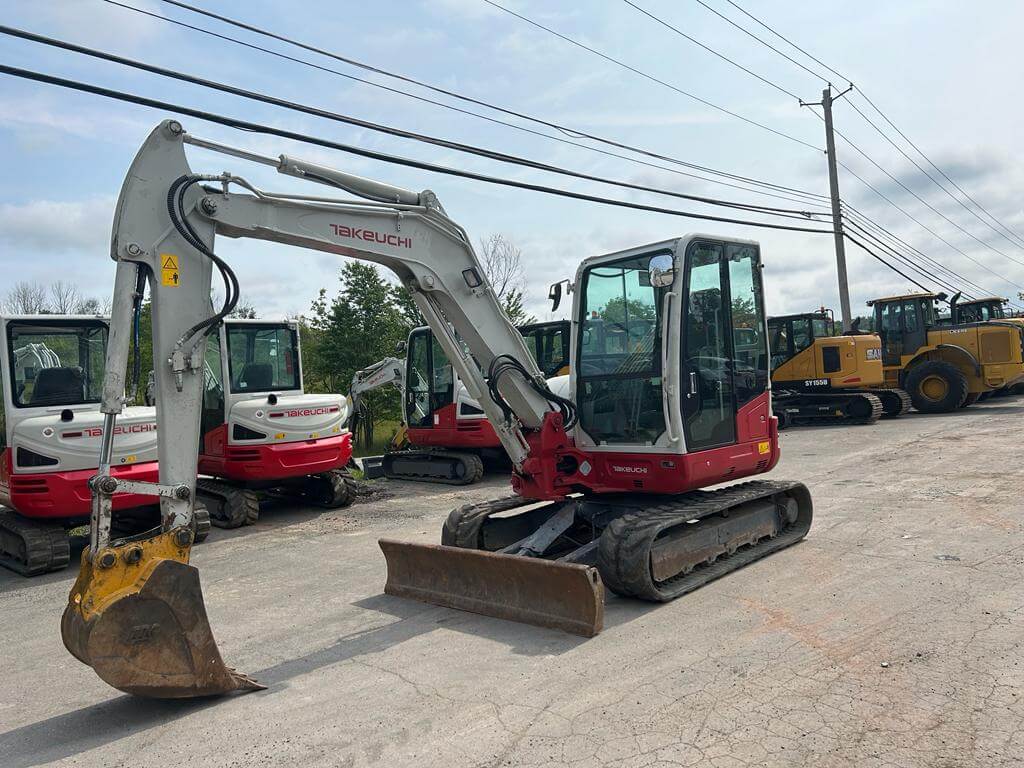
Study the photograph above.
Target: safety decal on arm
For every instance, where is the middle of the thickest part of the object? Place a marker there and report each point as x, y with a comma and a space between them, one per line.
169, 273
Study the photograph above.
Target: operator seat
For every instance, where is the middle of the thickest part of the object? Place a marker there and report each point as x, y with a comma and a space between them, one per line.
58, 386
257, 376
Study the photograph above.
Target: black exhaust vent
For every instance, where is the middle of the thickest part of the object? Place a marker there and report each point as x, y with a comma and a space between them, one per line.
238, 432
27, 458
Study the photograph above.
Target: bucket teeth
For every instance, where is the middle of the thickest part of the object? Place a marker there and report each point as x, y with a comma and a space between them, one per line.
141, 624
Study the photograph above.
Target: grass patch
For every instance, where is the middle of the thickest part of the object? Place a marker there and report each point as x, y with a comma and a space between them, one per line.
383, 431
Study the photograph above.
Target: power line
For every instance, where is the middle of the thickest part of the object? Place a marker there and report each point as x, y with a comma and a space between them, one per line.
788, 41
933, 165
871, 253
246, 125
863, 233
576, 133
710, 50
647, 76
935, 181
789, 197
851, 214
762, 41
390, 130
924, 226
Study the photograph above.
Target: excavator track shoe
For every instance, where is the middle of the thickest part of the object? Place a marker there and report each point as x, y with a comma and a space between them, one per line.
544, 593
665, 552
32, 548
448, 467
137, 617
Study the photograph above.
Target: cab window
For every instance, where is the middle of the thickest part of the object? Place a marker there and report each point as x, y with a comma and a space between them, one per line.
619, 376
910, 316
821, 328
801, 334
262, 358
53, 363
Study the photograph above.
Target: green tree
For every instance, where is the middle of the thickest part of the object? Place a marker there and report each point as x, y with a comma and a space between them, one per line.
619, 309
361, 325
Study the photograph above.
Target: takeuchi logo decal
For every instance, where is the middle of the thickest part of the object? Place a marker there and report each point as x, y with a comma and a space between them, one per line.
297, 412
120, 429
371, 236
629, 470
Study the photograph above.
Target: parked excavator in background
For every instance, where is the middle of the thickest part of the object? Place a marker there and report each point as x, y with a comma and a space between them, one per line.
50, 428
945, 367
607, 484
819, 377
263, 435
445, 436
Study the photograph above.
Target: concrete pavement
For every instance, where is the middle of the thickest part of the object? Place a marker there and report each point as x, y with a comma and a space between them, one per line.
893, 636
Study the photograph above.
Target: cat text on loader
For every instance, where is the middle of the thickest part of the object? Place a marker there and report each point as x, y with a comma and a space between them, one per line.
821, 378
945, 367
606, 489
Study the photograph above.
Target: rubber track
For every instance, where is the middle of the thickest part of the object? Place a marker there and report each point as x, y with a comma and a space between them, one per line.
624, 549
463, 526
905, 403
810, 421
201, 523
474, 464
343, 488
46, 545
241, 506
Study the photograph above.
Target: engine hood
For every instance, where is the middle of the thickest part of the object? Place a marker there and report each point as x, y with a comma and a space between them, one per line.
291, 418
75, 444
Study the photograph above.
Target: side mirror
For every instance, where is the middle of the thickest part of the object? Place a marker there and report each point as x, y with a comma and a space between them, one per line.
662, 270
400, 347
555, 294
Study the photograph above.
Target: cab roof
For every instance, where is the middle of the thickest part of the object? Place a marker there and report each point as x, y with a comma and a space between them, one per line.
983, 300
928, 295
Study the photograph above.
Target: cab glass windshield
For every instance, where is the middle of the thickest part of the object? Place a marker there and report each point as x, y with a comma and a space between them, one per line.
262, 358
56, 363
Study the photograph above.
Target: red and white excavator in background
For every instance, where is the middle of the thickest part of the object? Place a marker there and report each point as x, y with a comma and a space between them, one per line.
445, 436
50, 430
262, 434
607, 485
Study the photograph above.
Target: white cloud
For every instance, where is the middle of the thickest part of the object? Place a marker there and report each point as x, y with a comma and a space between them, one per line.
55, 227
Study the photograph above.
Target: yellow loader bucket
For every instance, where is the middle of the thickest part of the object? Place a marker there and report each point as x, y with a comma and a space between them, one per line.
136, 616
565, 596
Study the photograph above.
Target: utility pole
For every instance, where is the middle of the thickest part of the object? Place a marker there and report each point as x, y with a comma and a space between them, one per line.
837, 215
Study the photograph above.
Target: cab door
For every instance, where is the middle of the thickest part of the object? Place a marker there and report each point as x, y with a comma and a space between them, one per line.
430, 381
723, 300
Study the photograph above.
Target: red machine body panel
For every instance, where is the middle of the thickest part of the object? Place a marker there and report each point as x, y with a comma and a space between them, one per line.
272, 461
449, 431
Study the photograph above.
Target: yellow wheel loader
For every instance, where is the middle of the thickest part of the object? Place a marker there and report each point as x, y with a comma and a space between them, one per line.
819, 377
945, 367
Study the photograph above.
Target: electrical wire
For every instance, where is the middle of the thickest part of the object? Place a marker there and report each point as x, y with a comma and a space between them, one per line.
762, 41
711, 50
871, 253
788, 41
650, 77
246, 125
398, 91
568, 131
390, 130
1016, 243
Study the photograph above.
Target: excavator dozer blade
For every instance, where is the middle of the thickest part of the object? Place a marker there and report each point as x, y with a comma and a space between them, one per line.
141, 624
566, 596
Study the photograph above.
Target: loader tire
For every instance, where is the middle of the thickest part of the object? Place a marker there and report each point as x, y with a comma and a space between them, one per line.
936, 387
971, 399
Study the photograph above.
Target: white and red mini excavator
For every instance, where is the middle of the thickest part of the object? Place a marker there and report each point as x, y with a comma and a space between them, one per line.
607, 482
50, 430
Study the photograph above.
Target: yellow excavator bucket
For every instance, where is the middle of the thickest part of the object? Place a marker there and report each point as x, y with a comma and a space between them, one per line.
566, 596
136, 616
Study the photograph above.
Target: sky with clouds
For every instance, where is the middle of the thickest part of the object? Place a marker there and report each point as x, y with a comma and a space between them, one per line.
946, 72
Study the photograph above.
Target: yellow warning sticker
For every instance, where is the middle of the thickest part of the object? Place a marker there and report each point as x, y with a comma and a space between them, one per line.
765, 447
169, 273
